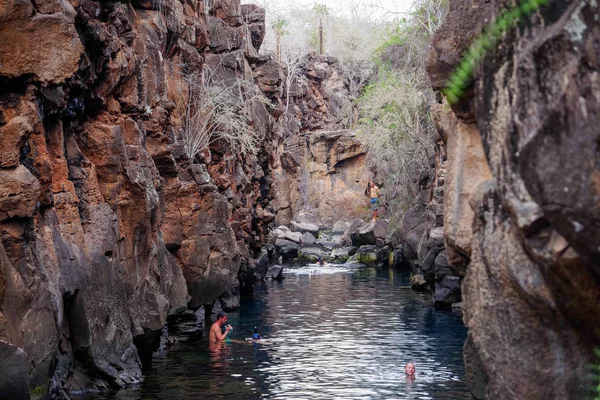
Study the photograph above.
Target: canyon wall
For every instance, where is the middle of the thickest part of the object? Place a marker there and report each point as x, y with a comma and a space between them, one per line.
522, 198
107, 226
321, 171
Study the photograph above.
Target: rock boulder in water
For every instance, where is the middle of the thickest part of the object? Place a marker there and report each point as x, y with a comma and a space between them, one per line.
308, 239
312, 253
412, 228
352, 228
441, 266
367, 255
342, 254
374, 232
419, 284
286, 249
275, 272
447, 291
14, 379
262, 264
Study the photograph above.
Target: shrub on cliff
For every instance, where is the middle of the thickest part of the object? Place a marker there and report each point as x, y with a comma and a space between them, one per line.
395, 120
217, 110
399, 134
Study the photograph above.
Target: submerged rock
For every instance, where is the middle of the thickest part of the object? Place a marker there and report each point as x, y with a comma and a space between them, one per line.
275, 272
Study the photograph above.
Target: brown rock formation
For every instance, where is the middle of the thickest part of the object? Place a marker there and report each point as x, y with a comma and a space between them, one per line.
106, 226
320, 174
532, 286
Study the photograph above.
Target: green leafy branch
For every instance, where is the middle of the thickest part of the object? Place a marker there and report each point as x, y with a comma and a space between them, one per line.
460, 79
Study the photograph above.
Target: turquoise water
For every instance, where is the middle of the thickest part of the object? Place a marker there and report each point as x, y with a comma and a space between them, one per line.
335, 333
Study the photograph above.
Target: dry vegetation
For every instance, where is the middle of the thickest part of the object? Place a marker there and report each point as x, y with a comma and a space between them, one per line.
219, 111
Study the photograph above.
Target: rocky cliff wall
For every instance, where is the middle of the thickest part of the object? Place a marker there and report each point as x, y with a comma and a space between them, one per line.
107, 227
522, 196
320, 171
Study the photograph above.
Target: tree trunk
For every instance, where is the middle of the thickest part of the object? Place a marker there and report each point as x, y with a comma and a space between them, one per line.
278, 47
321, 36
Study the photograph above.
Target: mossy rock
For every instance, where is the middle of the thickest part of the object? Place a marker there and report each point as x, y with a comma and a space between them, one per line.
341, 259
368, 258
39, 392
367, 255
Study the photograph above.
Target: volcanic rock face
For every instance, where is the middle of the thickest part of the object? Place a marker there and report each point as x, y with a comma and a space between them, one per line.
107, 227
530, 243
321, 172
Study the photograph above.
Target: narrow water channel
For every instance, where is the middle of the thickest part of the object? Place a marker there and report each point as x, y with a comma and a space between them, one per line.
335, 333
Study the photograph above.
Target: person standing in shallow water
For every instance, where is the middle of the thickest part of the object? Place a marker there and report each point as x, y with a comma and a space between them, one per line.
374, 195
215, 336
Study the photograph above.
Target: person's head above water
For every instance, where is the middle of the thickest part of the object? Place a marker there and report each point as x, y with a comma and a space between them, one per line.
256, 336
409, 370
222, 318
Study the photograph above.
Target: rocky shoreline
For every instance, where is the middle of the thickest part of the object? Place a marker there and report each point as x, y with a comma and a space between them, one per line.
372, 244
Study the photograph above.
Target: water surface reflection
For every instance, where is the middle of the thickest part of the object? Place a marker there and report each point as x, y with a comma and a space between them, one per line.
339, 333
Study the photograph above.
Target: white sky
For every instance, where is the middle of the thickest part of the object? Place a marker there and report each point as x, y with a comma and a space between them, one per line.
380, 7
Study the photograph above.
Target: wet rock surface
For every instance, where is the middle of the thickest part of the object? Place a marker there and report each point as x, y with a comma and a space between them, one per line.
14, 381
523, 226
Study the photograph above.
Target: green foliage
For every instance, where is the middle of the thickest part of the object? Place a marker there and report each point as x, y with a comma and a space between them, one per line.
508, 19
394, 118
279, 27
40, 391
396, 36
321, 9
395, 125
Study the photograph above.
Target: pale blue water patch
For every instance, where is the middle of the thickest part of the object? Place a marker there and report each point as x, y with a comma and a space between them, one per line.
334, 333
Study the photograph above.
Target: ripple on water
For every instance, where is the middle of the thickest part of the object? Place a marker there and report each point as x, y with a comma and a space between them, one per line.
336, 332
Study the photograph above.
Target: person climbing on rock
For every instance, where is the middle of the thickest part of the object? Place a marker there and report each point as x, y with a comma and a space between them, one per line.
374, 195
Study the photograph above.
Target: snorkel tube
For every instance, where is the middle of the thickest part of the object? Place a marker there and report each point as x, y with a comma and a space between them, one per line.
227, 339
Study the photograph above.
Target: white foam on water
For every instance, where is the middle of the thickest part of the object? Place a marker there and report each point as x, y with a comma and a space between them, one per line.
316, 269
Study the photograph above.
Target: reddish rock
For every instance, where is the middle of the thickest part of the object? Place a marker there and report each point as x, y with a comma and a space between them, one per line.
19, 193
106, 227
37, 34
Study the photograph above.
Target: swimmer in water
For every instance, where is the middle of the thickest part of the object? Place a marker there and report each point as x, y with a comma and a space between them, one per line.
409, 370
256, 336
320, 261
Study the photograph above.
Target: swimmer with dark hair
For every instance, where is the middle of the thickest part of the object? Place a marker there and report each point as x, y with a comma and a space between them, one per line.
256, 336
